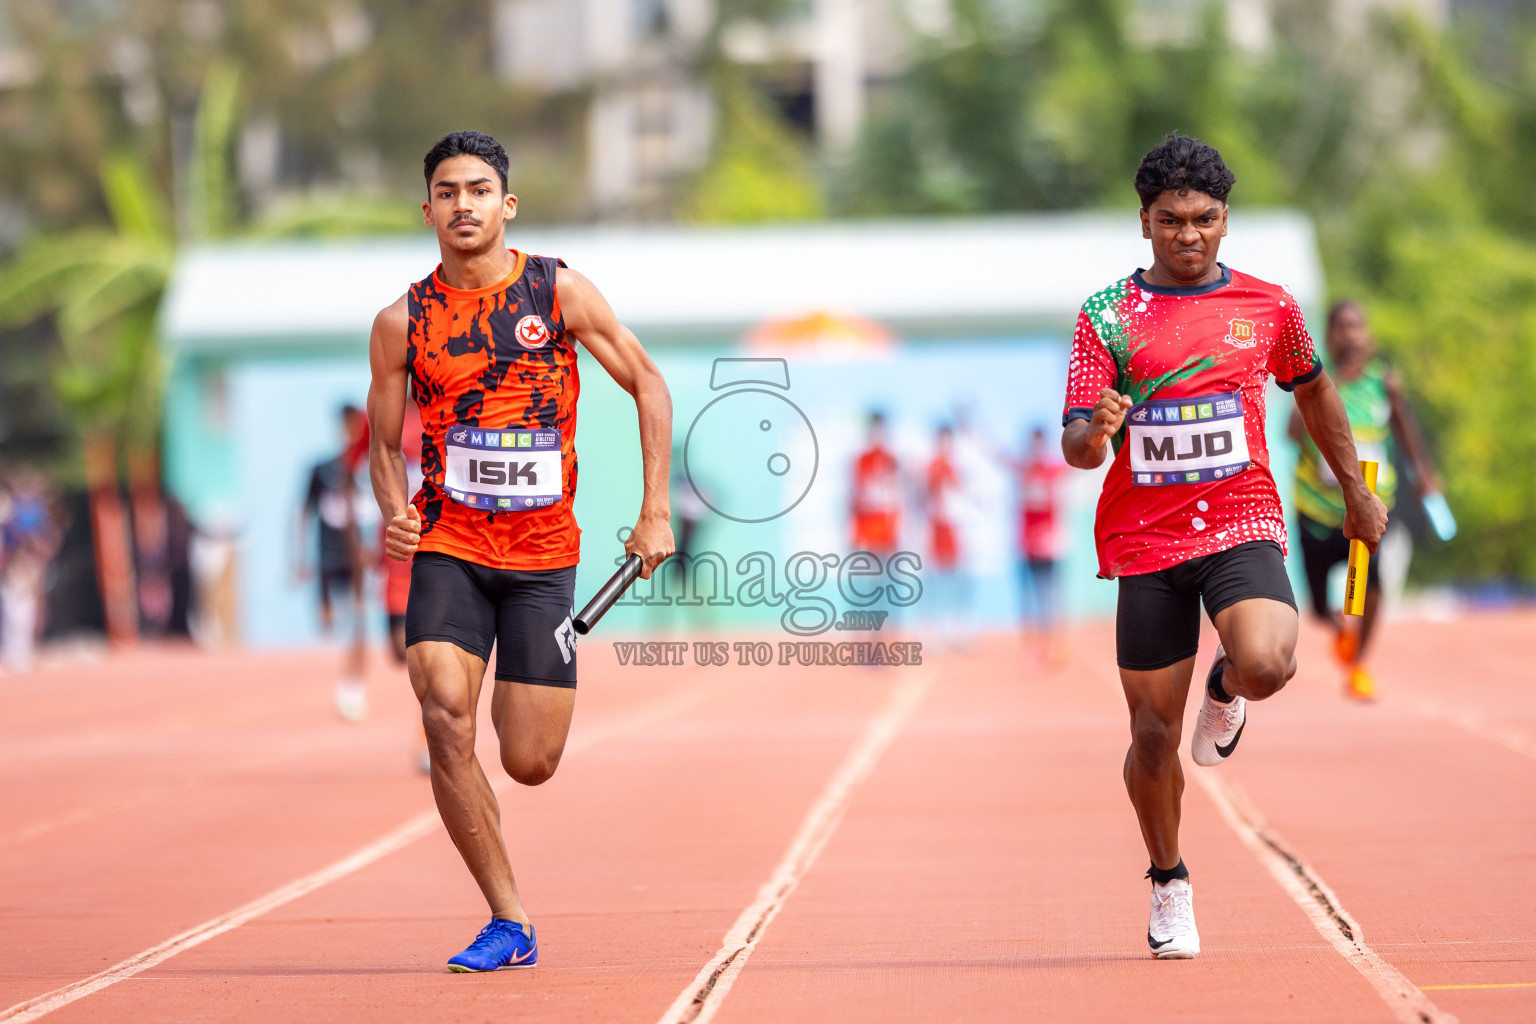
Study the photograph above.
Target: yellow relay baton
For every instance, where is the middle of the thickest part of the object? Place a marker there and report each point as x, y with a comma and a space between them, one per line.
1359, 555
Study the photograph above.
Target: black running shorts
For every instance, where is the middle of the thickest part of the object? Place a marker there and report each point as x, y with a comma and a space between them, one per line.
526, 613
1157, 620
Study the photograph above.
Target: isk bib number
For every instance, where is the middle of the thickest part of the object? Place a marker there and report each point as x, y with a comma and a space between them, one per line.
502, 470
1187, 440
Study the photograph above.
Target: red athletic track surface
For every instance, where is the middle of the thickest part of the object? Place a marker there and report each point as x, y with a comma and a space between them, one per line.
986, 868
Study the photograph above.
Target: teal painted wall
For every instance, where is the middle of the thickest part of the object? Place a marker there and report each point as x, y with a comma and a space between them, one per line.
242, 434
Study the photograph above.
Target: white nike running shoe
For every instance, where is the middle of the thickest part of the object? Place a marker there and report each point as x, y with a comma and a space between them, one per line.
1219, 726
1171, 931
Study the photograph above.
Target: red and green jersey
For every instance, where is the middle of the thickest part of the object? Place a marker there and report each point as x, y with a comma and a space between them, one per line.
1191, 470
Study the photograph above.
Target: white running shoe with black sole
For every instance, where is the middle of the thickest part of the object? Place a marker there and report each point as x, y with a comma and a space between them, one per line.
1219, 726
1171, 931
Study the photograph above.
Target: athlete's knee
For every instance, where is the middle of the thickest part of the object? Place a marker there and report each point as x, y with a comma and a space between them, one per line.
450, 730
1153, 741
530, 770
1264, 673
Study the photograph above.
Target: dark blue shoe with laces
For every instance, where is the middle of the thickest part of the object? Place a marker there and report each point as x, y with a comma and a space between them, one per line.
500, 946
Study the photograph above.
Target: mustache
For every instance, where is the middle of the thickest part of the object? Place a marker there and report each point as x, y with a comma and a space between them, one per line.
466, 219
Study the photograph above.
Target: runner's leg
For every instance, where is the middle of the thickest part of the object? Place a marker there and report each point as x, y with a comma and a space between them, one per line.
1319, 555
535, 671
447, 681
1154, 779
1259, 635
1157, 634
1372, 611
532, 723
357, 656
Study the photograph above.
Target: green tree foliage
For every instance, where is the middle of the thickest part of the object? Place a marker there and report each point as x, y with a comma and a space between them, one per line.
759, 172
761, 169
1411, 149
1443, 251
125, 136
103, 287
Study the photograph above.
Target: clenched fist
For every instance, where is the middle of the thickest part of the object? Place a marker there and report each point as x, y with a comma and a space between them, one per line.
1108, 414
403, 535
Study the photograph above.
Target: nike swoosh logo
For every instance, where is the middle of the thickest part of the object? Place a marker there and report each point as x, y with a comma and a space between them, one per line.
1156, 944
1226, 751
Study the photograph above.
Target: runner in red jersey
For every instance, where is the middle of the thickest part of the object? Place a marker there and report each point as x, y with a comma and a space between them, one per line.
876, 493
1170, 364
948, 588
487, 344
943, 495
1041, 543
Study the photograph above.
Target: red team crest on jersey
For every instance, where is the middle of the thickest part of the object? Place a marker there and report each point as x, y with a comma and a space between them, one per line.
1240, 333
531, 332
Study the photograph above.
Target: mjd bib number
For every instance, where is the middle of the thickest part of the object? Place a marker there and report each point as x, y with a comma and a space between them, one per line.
1187, 440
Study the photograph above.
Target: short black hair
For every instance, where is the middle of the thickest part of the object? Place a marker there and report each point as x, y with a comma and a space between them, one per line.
1183, 165
466, 143
1339, 307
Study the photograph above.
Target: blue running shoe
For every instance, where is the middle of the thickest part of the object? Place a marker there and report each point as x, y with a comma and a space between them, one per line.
500, 946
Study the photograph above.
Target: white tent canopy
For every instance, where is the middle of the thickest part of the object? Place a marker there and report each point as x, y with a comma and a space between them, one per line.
950, 274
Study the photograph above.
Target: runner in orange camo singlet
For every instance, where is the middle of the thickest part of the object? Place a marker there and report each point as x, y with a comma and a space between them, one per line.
462, 377
487, 344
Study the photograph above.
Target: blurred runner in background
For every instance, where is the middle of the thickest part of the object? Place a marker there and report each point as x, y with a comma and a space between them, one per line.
1041, 543
162, 542
1378, 415
942, 491
876, 503
687, 504
332, 499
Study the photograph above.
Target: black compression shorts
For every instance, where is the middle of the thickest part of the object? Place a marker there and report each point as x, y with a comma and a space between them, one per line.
526, 613
1157, 620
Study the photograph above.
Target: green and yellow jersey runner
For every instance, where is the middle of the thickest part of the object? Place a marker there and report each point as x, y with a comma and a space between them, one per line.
1319, 499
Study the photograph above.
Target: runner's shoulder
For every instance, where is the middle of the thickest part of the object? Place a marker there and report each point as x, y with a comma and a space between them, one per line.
1249, 284
1103, 310
387, 340
393, 318
1108, 297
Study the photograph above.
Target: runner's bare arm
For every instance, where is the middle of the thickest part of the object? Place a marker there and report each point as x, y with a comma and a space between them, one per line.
1084, 442
387, 395
1365, 517
1405, 426
589, 317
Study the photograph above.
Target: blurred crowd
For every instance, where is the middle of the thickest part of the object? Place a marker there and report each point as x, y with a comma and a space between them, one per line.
29, 538
943, 490
58, 559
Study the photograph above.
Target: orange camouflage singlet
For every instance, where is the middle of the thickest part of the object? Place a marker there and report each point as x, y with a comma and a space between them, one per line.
495, 376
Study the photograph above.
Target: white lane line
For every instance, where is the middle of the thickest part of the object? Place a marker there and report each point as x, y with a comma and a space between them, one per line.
701, 999
1306, 887
45, 1004
412, 830
1516, 740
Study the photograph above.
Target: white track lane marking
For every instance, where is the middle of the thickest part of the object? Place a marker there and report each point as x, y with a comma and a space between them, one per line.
701, 999
1303, 884
1516, 740
421, 825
